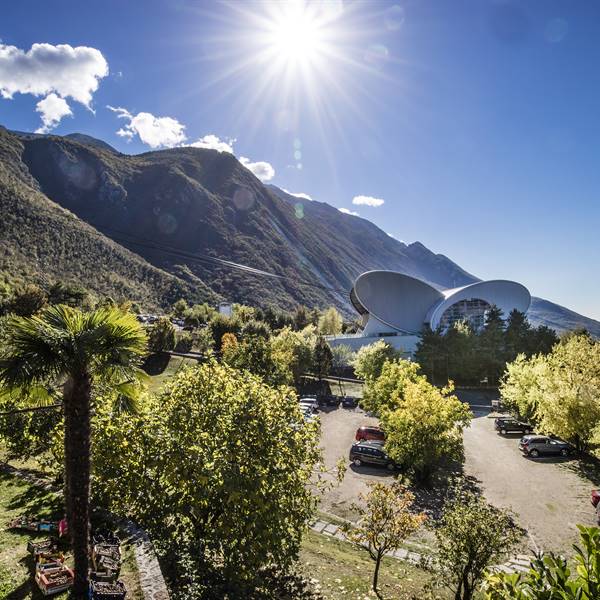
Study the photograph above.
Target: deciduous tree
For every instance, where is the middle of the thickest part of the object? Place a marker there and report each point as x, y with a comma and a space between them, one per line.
369, 359
220, 464
425, 428
385, 521
330, 322
161, 336
471, 536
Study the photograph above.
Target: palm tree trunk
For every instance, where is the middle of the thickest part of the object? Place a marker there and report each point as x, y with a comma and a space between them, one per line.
77, 399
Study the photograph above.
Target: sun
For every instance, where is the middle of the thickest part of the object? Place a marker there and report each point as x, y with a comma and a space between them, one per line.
295, 36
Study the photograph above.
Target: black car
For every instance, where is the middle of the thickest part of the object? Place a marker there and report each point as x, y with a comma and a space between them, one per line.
349, 402
371, 453
510, 425
328, 400
543, 445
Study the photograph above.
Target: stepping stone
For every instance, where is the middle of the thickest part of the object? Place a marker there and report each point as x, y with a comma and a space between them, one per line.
401, 553
414, 557
319, 526
331, 529
340, 536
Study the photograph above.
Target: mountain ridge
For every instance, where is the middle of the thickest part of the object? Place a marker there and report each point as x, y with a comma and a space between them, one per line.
192, 207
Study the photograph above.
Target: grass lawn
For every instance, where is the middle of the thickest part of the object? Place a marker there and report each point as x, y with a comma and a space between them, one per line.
339, 570
16, 564
176, 363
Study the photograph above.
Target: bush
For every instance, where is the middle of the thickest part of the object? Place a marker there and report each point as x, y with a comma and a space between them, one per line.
161, 337
185, 343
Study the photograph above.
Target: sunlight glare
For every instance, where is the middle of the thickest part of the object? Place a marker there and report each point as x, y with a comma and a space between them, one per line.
294, 36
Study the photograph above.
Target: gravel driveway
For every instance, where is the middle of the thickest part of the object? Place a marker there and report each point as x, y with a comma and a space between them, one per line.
549, 495
338, 427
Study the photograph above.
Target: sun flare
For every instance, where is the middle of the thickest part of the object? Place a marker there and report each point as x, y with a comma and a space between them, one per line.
295, 36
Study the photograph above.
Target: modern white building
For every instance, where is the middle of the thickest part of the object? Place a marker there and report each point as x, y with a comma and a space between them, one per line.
396, 307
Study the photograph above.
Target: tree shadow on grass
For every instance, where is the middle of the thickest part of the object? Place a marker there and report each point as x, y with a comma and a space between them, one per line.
36, 501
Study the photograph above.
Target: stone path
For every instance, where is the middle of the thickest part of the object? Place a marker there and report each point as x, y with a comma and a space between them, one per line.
519, 563
151, 578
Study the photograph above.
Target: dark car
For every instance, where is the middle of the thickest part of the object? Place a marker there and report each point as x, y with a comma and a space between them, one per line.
371, 452
349, 402
328, 400
510, 425
369, 433
543, 445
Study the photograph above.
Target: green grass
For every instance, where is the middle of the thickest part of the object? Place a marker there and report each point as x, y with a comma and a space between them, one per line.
339, 570
16, 564
176, 363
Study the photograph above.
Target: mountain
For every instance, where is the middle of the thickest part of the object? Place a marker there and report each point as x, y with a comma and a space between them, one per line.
43, 242
177, 216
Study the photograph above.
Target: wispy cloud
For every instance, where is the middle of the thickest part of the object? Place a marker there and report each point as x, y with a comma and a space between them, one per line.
367, 201
157, 132
298, 194
56, 72
347, 211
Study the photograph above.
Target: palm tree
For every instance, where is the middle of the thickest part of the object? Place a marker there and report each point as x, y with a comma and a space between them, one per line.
77, 350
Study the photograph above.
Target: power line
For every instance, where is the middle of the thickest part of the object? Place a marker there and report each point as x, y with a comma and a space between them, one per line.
128, 238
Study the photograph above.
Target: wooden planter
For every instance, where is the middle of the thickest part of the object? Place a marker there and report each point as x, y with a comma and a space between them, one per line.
53, 578
102, 590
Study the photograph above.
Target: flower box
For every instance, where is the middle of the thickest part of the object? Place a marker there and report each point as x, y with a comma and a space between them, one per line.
53, 578
103, 590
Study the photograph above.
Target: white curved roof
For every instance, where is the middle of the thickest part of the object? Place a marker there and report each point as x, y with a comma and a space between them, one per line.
406, 304
395, 299
506, 295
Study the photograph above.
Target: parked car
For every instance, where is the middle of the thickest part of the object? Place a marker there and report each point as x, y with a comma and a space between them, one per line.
596, 504
510, 425
367, 432
543, 445
311, 402
349, 402
328, 400
371, 452
308, 413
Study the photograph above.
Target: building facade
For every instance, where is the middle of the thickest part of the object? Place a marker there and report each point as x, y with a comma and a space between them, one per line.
396, 307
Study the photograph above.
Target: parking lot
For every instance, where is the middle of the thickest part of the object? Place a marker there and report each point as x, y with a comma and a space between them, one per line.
549, 495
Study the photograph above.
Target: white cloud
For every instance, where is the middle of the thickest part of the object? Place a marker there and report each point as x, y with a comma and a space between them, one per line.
52, 108
367, 201
347, 211
70, 72
298, 194
157, 132
59, 71
213, 142
263, 170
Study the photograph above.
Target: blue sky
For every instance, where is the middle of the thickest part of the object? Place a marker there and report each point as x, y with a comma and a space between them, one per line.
477, 122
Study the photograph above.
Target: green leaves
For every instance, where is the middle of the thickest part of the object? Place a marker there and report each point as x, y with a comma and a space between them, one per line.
561, 391
423, 424
551, 578
471, 536
219, 457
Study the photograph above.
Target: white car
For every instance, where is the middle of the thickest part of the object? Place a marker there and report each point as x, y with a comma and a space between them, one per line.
309, 402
